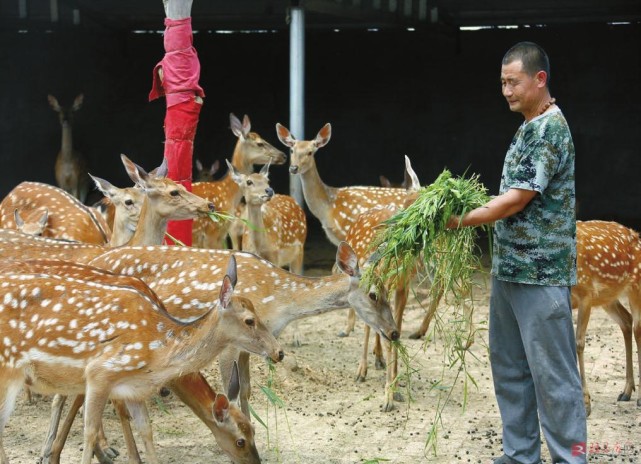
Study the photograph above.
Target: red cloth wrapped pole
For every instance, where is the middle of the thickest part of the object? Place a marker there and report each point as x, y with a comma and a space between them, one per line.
178, 83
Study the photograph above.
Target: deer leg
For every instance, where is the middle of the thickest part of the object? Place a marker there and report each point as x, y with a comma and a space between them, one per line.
138, 412
351, 322
635, 306
582, 319
130, 441
361, 373
400, 301
623, 318
48, 453
95, 401
379, 361
427, 320
10, 386
245, 381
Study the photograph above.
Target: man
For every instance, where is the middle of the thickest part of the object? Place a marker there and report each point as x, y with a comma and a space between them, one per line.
532, 347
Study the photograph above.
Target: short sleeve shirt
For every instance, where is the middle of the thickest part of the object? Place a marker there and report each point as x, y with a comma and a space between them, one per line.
538, 244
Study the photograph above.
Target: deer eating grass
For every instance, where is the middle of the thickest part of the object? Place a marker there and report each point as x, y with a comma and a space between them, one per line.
71, 166
250, 149
67, 218
108, 336
184, 277
608, 269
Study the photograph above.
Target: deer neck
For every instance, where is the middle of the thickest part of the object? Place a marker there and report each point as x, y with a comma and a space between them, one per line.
318, 196
192, 345
66, 147
151, 227
303, 297
257, 233
122, 231
240, 160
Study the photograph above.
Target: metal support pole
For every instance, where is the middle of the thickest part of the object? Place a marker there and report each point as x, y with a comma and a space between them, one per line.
297, 89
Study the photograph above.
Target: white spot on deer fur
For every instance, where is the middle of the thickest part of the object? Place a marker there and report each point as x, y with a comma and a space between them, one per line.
56, 308
7, 341
186, 290
45, 303
7, 298
268, 299
155, 345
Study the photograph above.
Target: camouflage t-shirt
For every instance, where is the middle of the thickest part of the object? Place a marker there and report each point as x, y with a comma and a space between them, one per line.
538, 244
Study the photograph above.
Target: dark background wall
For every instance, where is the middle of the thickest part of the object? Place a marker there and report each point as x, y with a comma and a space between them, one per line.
433, 96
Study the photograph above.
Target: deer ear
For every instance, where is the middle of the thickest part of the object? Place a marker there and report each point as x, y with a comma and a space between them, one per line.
214, 167
236, 126
221, 408
132, 169
161, 171
284, 135
323, 136
231, 270
346, 260
265, 169
411, 179
77, 103
17, 218
234, 383
235, 175
104, 186
247, 125
44, 218
53, 102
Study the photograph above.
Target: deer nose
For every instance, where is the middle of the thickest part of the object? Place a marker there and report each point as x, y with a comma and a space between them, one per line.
270, 192
281, 355
211, 207
394, 335
293, 169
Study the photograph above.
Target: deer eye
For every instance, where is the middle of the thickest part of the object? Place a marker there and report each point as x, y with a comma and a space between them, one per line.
250, 322
129, 202
174, 193
250, 182
260, 144
373, 296
240, 443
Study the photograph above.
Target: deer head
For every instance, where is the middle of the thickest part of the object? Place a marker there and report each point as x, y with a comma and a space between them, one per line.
35, 228
255, 149
302, 152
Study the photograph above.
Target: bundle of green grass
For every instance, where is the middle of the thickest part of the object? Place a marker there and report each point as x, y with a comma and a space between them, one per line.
417, 238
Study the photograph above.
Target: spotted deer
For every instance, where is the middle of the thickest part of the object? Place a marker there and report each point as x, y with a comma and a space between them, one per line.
277, 225
67, 218
127, 204
335, 207
108, 336
608, 269
31, 226
183, 277
250, 149
71, 166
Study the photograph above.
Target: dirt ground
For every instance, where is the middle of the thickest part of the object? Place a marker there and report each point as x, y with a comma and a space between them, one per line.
330, 419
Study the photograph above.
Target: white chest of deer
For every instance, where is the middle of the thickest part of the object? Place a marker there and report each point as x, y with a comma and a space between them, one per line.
71, 167
277, 226
336, 208
250, 149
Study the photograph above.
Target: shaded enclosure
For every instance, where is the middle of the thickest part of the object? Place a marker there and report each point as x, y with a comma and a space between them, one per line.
432, 95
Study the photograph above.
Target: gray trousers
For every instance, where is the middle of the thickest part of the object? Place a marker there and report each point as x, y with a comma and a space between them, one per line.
534, 365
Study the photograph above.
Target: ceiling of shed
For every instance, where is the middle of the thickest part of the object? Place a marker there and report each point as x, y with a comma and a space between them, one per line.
273, 14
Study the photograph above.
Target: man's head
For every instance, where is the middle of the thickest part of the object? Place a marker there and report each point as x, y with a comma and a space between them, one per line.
525, 74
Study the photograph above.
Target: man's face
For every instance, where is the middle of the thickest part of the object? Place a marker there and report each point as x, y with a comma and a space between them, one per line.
521, 91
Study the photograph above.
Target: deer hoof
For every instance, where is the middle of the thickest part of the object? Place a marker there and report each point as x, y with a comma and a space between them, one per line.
623, 397
389, 406
343, 334
398, 396
380, 364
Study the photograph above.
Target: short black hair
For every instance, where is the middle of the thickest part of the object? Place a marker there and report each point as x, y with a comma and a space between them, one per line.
532, 56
